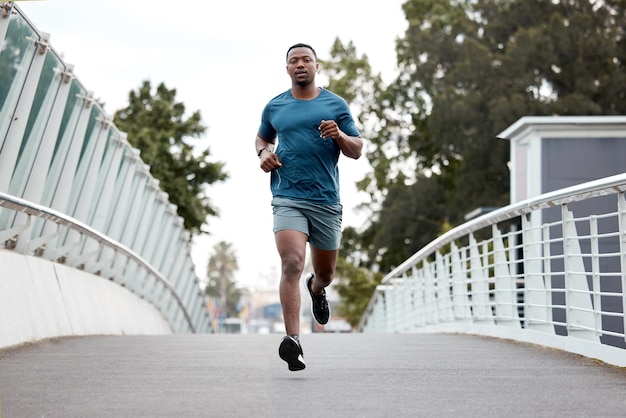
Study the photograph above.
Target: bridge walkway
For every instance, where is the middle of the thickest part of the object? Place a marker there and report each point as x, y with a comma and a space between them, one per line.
347, 375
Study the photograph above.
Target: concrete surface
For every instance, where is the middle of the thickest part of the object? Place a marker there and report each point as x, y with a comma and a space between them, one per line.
347, 375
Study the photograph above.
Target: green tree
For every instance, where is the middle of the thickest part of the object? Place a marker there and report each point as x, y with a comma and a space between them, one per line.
355, 287
157, 125
351, 76
221, 270
467, 70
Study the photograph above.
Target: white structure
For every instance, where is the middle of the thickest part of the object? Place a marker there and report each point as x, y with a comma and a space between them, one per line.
553, 152
549, 269
76, 195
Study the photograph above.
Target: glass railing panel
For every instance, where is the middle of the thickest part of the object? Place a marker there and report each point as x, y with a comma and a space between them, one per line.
75, 108
74, 105
47, 89
17, 52
64, 139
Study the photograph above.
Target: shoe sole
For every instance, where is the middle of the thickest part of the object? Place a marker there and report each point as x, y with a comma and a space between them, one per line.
289, 351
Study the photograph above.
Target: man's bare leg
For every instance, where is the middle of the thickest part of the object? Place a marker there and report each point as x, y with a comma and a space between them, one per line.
324, 263
291, 247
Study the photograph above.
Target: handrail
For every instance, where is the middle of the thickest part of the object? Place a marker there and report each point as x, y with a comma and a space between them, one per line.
602, 187
33, 209
549, 270
64, 163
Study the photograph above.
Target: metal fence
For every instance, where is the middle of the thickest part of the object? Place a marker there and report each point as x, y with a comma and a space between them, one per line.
72, 189
549, 270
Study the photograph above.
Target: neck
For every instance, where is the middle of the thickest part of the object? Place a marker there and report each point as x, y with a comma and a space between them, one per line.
310, 91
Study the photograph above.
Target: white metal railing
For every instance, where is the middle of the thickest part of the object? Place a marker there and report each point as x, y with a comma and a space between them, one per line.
73, 190
549, 270
155, 288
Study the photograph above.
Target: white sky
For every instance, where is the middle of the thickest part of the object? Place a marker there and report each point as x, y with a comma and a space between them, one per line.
225, 59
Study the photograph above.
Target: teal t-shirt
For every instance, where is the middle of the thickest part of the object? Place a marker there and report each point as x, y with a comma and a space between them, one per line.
309, 170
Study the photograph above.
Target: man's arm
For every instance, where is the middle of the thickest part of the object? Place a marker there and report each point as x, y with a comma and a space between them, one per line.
350, 146
265, 151
261, 145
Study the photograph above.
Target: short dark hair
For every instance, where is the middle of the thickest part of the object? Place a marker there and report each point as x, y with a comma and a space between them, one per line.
301, 45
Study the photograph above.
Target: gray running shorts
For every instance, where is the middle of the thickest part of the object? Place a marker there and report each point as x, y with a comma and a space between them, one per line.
321, 223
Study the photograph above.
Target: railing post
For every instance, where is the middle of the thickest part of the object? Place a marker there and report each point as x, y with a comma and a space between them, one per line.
443, 287
386, 308
505, 289
17, 127
537, 314
63, 170
105, 201
579, 311
621, 205
35, 182
406, 314
417, 290
595, 272
5, 17
430, 298
480, 284
84, 187
460, 297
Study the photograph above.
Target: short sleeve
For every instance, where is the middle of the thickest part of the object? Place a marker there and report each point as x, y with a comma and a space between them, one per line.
266, 129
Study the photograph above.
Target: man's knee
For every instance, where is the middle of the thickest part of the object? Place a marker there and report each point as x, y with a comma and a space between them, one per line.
324, 277
292, 264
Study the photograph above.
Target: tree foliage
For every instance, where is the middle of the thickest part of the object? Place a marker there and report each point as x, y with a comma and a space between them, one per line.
351, 77
157, 125
467, 70
355, 286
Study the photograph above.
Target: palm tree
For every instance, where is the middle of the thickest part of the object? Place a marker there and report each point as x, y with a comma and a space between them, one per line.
221, 270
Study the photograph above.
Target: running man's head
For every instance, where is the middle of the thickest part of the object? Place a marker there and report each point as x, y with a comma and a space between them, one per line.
300, 45
301, 64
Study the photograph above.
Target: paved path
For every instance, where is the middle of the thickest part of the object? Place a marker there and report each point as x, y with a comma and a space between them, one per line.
347, 375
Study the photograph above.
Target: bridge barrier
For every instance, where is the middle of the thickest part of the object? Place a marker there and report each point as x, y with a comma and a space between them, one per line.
74, 192
41, 299
549, 270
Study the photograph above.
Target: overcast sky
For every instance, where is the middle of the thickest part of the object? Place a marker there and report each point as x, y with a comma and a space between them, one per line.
225, 59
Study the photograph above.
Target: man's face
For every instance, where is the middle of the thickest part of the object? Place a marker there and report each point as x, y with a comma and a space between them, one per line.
301, 66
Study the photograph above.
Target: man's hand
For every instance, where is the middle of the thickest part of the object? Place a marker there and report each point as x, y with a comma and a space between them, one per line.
269, 161
351, 146
329, 129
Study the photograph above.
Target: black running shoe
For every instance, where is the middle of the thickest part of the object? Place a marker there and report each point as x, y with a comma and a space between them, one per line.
319, 304
290, 350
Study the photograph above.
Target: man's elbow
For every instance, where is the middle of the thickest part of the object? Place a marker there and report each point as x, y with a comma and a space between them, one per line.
354, 154
355, 149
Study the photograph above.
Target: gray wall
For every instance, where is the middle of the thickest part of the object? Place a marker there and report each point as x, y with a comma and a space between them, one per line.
570, 161
567, 162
